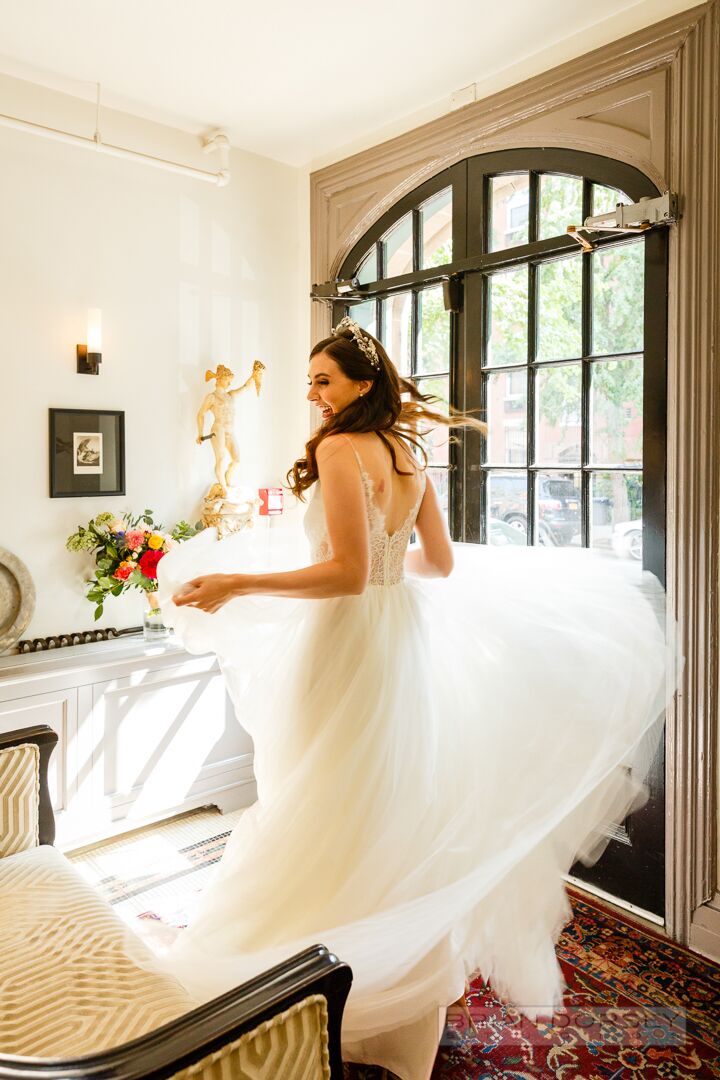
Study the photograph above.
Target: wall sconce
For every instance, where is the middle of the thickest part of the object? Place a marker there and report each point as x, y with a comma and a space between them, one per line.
89, 356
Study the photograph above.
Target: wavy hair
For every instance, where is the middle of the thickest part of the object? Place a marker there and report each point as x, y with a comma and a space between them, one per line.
381, 409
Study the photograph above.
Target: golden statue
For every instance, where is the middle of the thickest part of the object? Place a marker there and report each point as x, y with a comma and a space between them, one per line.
225, 507
221, 403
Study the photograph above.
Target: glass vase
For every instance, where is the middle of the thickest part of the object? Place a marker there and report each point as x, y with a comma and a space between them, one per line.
154, 629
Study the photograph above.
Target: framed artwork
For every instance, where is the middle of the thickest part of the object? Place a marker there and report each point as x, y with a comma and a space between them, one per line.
87, 453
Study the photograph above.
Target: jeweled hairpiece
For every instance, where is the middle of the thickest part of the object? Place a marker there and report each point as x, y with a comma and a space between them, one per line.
364, 343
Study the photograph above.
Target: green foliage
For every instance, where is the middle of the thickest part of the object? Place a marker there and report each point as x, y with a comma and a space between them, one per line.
183, 531
434, 338
560, 204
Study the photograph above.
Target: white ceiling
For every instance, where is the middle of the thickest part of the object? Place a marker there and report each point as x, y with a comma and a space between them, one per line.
296, 79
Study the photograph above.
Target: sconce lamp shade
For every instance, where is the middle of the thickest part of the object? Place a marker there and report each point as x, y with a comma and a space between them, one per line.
90, 355
94, 331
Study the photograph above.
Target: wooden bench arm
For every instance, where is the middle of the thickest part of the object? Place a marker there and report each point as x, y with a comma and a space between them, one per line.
190, 1038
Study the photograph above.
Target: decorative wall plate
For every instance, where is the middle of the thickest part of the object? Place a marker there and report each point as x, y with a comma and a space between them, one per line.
17, 599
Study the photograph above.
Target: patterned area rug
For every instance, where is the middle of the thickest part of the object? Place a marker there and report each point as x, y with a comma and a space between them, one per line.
637, 1007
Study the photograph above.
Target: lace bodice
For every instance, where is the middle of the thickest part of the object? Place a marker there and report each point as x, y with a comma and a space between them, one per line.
387, 553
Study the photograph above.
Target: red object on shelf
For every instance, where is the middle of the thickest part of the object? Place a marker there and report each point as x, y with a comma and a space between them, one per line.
271, 501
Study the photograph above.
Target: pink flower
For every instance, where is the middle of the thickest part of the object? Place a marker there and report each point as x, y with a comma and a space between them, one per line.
134, 539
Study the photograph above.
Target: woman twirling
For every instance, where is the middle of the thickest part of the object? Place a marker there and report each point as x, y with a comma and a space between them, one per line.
440, 731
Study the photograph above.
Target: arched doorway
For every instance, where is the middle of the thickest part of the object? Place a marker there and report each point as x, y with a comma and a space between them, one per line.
482, 298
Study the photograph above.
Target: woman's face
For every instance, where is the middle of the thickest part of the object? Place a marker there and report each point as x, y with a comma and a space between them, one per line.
330, 389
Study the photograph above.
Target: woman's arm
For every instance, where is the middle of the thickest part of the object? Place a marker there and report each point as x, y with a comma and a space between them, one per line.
345, 574
434, 556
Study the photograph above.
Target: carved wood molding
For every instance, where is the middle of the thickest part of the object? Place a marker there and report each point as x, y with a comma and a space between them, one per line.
348, 196
693, 472
650, 99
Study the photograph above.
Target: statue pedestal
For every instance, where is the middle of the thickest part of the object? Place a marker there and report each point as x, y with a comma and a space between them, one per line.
229, 509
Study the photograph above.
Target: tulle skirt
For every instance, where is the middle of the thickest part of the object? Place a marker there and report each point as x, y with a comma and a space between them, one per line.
431, 756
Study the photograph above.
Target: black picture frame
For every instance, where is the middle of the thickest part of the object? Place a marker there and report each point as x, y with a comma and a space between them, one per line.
87, 453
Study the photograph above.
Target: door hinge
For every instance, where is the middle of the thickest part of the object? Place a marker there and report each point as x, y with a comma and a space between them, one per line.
637, 217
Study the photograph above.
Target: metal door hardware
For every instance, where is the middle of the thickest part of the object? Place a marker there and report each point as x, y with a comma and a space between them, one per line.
637, 217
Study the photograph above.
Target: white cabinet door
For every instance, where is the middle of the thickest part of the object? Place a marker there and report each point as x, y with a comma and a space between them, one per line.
70, 772
167, 740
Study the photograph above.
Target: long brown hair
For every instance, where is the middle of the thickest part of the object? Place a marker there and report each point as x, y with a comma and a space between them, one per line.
381, 409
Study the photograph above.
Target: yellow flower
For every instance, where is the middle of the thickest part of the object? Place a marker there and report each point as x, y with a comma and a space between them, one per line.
156, 541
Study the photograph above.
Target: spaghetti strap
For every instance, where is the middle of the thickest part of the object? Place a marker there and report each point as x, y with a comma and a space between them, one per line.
352, 446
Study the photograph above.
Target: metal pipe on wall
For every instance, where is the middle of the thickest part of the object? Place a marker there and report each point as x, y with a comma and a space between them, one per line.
218, 141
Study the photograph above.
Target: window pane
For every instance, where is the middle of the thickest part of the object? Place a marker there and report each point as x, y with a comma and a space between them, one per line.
436, 230
509, 210
398, 248
507, 507
616, 411
560, 309
560, 204
616, 522
557, 416
397, 330
606, 198
365, 315
434, 336
507, 417
440, 479
557, 509
618, 284
367, 270
436, 442
507, 319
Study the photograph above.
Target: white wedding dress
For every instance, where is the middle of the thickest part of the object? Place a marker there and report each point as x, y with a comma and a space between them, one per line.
431, 756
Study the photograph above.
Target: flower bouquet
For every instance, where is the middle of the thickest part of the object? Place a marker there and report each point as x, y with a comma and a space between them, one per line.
127, 552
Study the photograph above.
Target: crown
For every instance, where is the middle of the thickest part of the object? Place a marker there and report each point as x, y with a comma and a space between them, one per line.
365, 344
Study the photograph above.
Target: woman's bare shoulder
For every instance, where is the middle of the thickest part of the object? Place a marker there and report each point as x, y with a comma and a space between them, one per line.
331, 444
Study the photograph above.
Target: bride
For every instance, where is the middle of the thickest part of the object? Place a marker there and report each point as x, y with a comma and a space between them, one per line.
432, 751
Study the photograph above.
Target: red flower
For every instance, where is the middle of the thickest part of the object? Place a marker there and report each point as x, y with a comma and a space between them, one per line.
147, 563
123, 571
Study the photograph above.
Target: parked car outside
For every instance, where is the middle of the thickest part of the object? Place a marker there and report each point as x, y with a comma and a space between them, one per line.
626, 539
558, 506
500, 533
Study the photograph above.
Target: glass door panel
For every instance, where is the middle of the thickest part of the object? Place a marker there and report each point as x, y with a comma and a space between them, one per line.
616, 411
559, 314
398, 249
558, 414
398, 331
618, 291
433, 347
509, 199
507, 504
506, 396
507, 317
558, 501
436, 247
561, 200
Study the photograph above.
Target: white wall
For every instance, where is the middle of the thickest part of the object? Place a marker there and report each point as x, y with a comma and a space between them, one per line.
187, 275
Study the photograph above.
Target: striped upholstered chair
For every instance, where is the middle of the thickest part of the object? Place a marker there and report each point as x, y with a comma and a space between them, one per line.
73, 1004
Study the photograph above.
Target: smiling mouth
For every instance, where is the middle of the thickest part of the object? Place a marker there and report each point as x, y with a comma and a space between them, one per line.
326, 411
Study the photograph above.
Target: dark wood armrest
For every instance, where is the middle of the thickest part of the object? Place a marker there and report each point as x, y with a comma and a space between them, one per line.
190, 1038
45, 738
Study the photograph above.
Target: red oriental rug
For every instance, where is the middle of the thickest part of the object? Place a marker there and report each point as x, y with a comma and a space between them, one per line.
637, 1007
